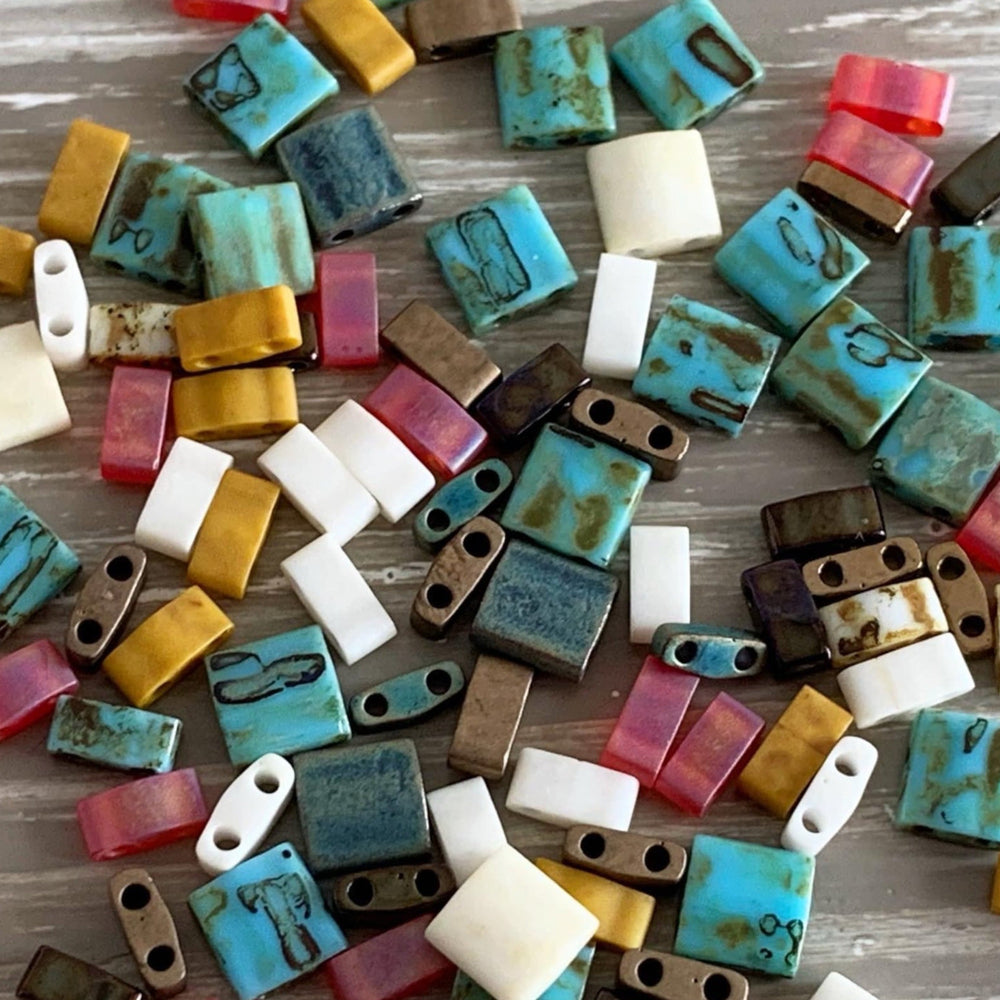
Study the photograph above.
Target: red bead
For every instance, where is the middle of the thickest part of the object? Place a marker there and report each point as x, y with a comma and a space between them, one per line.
980, 535
899, 97
142, 814
234, 10
31, 680
345, 304
135, 424
427, 420
649, 721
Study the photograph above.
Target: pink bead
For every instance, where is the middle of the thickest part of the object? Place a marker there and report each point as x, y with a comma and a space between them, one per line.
710, 755
135, 424
899, 97
980, 535
31, 680
141, 815
427, 420
233, 10
345, 304
649, 721
886, 162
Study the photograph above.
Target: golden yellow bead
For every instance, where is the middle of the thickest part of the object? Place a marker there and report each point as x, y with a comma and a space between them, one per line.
995, 895
17, 252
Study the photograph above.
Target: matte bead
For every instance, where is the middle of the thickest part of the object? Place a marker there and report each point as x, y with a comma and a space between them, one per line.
62, 304
663, 976
970, 193
104, 606
81, 180
963, 597
54, 975
233, 10
745, 905
871, 566
789, 262
135, 425
659, 572
466, 825
706, 365
410, 697
980, 535
569, 986
630, 858
711, 651
32, 679
346, 310
501, 258
141, 815
133, 333
17, 252
450, 29
381, 895
838, 987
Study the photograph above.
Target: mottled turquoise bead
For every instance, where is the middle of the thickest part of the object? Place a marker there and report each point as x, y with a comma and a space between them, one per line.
940, 452
253, 237
265, 922
706, 365
951, 782
554, 88
954, 287
120, 736
569, 986
745, 905
408, 698
712, 651
687, 64
277, 695
35, 565
260, 85
144, 230
850, 371
789, 262
501, 258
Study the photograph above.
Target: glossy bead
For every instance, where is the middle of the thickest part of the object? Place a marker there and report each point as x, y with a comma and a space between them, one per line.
970, 193
62, 304
659, 572
789, 262
233, 10
630, 858
569, 986
410, 697
345, 307
845, 573
838, 987
980, 534
664, 976
380, 895
17, 252
446, 29
501, 258
706, 365
133, 333
466, 825
32, 679
54, 975
104, 606
711, 651
135, 425
963, 597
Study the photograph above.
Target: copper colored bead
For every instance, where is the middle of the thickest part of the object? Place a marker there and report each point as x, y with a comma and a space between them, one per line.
670, 977
54, 975
379, 895
844, 574
448, 29
963, 597
631, 858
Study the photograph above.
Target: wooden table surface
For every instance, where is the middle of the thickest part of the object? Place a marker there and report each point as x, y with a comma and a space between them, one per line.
904, 916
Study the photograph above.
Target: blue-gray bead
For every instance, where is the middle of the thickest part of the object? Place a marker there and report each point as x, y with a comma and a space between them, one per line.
408, 698
710, 650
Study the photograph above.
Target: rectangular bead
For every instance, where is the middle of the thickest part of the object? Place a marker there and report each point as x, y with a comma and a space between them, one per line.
713, 651
659, 571
970, 193
135, 425
54, 975
980, 535
466, 825
963, 597
133, 333
233, 10
838, 987
345, 305
17, 253
569, 986
32, 679
448, 29
845, 573
460, 500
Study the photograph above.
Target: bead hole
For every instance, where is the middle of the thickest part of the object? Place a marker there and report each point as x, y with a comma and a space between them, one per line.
226, 840
403, 211
477, 544
592, 845
972, 626
60, 326
55, 265
438, 520
601, 411
656, 858
649, 971
439, 596
120, 568
745, 659
160, 958
345, 234
660, 437
487, 480
686, 651
361, 891
438, 682
941, 514
716, 987
376, 705
266, 782
831, 573
810, 822
893, 557
89, 631
135, 896
951, 568
845, 766
427, 882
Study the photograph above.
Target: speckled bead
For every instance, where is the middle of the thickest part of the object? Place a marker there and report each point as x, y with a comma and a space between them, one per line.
32, 679
569, 986
409, 697
711, 651
133, 333
459, 501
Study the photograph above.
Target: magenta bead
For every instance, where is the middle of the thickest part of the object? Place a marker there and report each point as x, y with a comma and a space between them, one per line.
135, 424
649, 721
31, 680
233, 10
345, 304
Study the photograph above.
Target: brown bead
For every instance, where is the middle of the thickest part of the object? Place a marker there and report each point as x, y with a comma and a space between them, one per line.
963, 597
17, 255
847, 573
632, 858
448, 29
379, 895
54, 975
670, 977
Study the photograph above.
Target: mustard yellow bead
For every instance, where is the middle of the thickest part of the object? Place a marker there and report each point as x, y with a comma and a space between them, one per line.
236, 403
166, 645
237, 329
17, 252
81, 181
995, 895
233, 533
362, 39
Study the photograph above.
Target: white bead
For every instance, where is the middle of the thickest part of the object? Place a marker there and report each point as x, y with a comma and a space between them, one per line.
565, 791
654, 194
659, 574
467, 825
510, 928
838, 987
918, 676
245, 813
180, 498
132, 331
832, 796
338, 598
377, 459
61, 299
619, 314
318, 485
31, 403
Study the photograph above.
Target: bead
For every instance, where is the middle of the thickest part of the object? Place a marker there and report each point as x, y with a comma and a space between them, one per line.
569, 986
970, 193
17, 252
345, 307
979, 533
846, 573
362, 805
32, 679
534, 393
838, 987
180, 498
377, 895
631, 858
460, 500
446, 29
157, 654
501, 258
995, 891
81, 180
659, 572
905, 680
789, 262
54, 975
362, 40
466, 825
745, 905
62, 303
712, 651
491, 928
490, 716
135, 425
649, 721
544, 609
663, 976
116, 736
133, 333
410, 697
265, 922
963, 597
686, 64
233, 10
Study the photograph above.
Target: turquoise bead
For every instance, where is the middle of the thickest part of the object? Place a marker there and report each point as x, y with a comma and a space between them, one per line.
706, 365
408, 698
569, 986
954, 287
712, 651
259, 85
120, 736
265, 922
850, 371
940, 452
576, 495
501, 258
745, 905
144, 231
35, 565
253, 237
277, 695
950, 779
554, 88
687, 64
789, 262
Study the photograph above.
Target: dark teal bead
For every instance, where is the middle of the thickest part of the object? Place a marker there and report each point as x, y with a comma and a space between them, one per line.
408, 698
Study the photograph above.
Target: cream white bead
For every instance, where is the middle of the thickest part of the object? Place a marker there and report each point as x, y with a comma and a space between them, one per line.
659, 579
61, 299
467, 825
132, 331
838, 987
